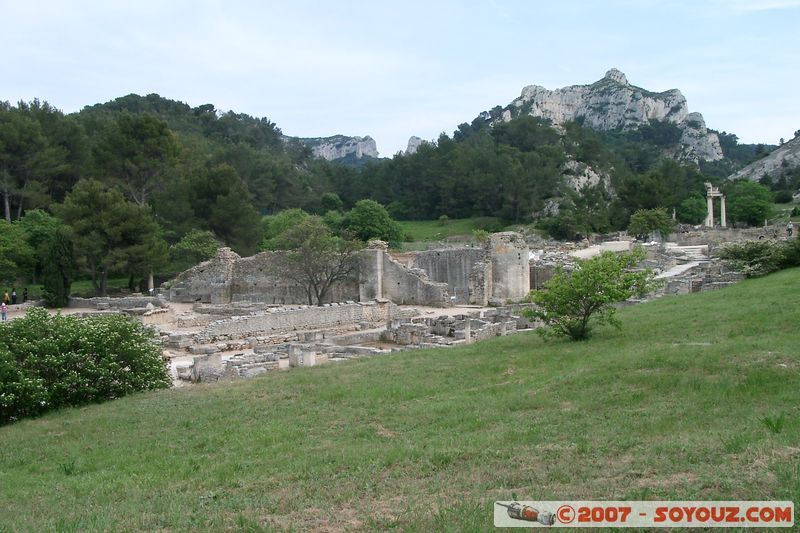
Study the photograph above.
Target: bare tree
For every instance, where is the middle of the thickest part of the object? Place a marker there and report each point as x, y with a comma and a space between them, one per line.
312, 256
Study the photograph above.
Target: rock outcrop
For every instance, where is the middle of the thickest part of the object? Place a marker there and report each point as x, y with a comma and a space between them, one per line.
341, 146
613, 103
784, 157
413, 144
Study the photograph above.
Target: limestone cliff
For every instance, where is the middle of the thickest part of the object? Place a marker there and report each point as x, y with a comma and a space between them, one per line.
341, 146
413, 144
784, 157
613, 103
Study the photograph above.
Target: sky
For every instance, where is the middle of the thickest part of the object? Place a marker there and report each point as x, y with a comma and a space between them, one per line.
391, 69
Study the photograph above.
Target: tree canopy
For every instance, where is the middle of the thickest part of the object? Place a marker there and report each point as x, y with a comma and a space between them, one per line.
572, 301
111, 233
748, 202
313, 257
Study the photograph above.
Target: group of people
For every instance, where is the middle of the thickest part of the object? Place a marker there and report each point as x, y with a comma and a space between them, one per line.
11, 299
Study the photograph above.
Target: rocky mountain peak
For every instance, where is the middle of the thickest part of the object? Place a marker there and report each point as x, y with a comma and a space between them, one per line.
612, 103
617, 76
414, 143
341, 146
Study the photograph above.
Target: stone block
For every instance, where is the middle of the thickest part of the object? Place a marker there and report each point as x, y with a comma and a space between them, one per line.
207, 368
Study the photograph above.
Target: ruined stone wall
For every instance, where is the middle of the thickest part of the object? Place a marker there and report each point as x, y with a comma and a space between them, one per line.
410, 286
208, 282
308, 318
229, 278
251, 281
540, 273
453, 267
510, 266
480, 283
723, 235
497, 272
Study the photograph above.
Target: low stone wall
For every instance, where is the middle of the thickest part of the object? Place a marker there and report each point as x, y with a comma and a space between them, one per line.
117, 304
307, 318
722, 235
709, 276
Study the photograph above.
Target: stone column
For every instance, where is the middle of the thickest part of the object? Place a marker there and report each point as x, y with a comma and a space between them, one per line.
723, 221
710, 214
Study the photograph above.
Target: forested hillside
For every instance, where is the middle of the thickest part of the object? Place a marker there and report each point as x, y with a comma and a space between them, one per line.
129, 180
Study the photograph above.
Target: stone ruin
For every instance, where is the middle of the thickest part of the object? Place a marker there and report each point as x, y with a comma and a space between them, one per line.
231, 318
248, 346
493, 273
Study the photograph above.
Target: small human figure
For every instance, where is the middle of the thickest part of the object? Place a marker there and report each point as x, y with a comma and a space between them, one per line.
3, 310
789, 229
24, 294
6, 298
13, 296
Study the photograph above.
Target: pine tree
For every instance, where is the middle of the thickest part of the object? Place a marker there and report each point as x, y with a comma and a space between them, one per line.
58, 270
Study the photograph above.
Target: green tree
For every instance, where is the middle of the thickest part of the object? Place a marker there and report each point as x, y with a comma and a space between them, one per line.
21, 144
692, 210
17, 258
137, 152
572, 302
330, 201
110, 233
646, 221
221, 201
59, 268
39, 229
313, 257
278, 223
193, 248
748, 202
369, 220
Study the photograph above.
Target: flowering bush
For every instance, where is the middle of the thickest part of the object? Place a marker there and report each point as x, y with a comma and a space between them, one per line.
48, 362
759, 258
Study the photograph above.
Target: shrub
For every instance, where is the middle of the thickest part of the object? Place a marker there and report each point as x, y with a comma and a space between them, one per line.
755, 258
646, 221
369, 220
481, 235
783, 197
571, 301
48, 362
193, 248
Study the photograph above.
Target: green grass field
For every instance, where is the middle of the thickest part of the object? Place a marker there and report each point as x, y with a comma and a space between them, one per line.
782, 212
672, 407
435, 230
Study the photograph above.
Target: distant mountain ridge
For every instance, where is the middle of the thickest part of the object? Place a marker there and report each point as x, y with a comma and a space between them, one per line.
341, 147
614, 104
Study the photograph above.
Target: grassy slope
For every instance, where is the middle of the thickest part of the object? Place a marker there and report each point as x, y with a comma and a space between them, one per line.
670, 408
434, 230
